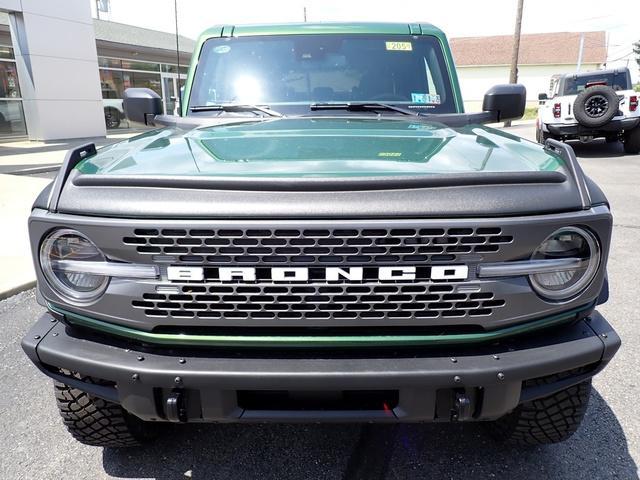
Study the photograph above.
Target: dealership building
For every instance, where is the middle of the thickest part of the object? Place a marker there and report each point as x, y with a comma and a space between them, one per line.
72, 87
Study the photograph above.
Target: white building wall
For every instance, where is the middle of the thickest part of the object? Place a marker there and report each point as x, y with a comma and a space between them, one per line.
57, 63
476, 80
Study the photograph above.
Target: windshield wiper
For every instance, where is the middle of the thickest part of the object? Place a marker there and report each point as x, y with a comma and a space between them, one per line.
235, 107
362, 107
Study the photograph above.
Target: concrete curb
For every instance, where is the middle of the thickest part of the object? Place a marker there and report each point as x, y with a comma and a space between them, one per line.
18, 289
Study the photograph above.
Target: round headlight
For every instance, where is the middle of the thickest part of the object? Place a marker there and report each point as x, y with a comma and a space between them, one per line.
66, 247
567, 243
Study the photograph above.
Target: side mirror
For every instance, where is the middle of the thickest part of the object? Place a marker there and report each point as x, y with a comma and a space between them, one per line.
543, 96
506, 102
141, 105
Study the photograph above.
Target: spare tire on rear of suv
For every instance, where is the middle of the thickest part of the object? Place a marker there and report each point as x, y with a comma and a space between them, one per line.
596, 106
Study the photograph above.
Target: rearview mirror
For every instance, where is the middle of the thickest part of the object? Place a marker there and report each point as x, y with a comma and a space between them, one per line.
543, 96
141, 105
506, 101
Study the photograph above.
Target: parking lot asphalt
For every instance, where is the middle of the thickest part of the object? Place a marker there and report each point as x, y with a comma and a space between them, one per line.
34, 443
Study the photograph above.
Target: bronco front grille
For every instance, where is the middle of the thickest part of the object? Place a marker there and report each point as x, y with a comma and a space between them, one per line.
343, 246
321, 302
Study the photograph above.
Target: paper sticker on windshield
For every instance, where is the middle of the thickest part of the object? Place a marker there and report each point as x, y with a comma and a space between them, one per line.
222, 49
432, 99
401, 46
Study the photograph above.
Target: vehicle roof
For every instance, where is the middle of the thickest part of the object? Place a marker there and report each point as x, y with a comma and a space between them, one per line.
321, 28
618, 71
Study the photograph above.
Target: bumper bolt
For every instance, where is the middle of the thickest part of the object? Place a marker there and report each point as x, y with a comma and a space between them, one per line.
135, 377
55, 334
454, 360
500, 376
604, 335
178, 380
53, 320
182, 360
496, 357
140, 358
36, 337
457, 379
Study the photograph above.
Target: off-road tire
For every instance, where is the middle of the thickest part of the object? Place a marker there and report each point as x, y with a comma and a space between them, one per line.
541, 135
632, 141
94, 421
590, 100
549, 419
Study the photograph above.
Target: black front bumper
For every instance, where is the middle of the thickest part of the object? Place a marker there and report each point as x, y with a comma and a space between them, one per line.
577, 130
208, 386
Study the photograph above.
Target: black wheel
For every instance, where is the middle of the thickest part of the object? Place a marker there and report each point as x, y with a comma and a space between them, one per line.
541, 135
632, 141
596, 106
550, 419
99, 423
112, 118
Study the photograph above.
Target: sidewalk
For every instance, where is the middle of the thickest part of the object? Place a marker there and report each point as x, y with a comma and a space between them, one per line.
23, 155
16, 197
17, 193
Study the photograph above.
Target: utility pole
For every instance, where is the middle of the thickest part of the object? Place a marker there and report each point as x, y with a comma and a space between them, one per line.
580, 50
304, 12
513, 74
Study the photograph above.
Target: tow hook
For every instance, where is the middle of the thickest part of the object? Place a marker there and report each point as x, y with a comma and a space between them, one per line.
461, 408
176, 410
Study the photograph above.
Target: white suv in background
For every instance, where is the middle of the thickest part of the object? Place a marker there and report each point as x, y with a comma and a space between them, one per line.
589, 105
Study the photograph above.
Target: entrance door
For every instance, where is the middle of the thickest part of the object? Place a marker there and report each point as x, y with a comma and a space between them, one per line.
170, 92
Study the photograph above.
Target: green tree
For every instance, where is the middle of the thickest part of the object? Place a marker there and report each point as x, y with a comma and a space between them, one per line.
636, 50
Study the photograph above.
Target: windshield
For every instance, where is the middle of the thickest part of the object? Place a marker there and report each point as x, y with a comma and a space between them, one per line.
294, 71
617, 81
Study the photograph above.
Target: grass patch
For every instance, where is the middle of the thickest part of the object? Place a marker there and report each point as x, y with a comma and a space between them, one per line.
530, 113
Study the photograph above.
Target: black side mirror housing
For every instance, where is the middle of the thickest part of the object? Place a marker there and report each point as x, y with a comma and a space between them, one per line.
543, 96
506, 102
141, 105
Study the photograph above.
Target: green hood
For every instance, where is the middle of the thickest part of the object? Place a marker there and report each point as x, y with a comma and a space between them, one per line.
322, 147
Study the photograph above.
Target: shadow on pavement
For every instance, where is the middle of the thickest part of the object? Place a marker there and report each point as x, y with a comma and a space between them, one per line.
597, 148
598, 450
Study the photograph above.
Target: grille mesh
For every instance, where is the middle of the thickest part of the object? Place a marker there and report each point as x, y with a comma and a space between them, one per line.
339, 301
345, 246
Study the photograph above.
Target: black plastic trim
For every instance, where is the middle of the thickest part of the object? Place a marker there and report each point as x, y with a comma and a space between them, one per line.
500, 371
319, 184
42, 200
577, 129
569, 156
72, 158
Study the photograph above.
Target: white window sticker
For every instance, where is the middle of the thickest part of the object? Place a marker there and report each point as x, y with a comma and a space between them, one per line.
399, 46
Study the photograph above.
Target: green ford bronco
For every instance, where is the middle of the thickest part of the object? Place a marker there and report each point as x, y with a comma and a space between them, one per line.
322, 235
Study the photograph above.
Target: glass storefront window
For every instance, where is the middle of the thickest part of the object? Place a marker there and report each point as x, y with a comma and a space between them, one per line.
109, 62
9, 87
121, 63
113, 84
12, 118
133, 65
6, 52
174, 68
118, 74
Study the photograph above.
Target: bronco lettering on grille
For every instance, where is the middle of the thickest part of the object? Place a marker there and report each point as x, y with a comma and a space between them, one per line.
305, 274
